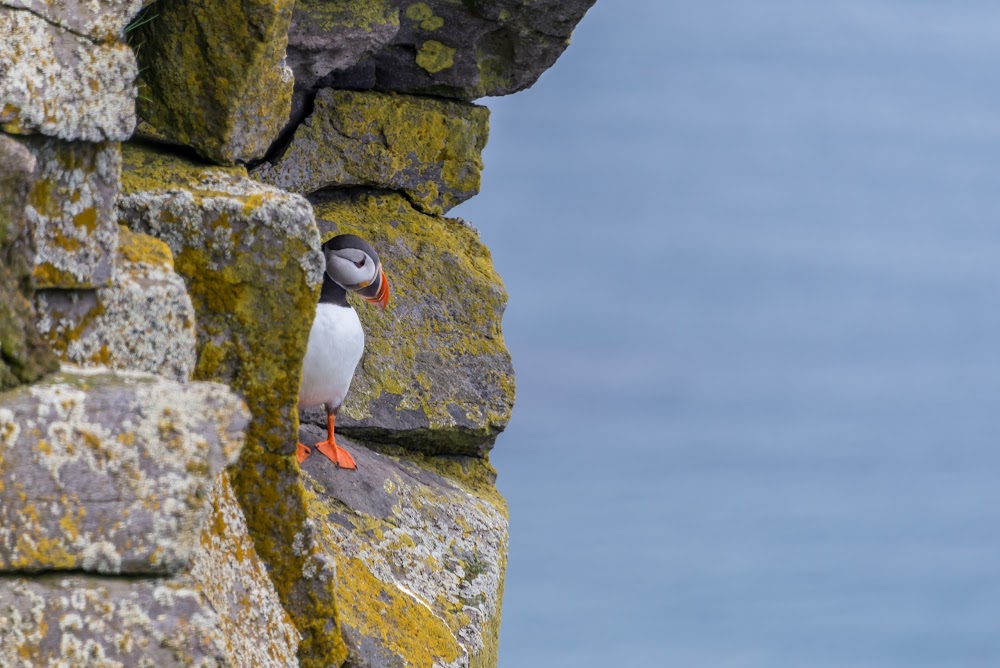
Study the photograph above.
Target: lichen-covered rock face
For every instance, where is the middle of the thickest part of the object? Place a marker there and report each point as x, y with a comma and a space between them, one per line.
100, 21
467, 49
269, 488
429, 149
24, 356
143, 321
250, 256
327, 35
436, 375
420, 549
214, 77
17, 169
71, 211
58, 83
117, 475
228, 573
83, 621
109, 473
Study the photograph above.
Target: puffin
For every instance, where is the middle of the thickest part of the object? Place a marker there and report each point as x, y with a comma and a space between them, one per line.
337, 340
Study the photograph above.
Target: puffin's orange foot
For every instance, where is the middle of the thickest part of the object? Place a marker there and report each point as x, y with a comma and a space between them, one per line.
336, 454
301, 452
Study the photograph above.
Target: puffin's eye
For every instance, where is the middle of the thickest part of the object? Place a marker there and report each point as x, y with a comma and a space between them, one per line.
360, 263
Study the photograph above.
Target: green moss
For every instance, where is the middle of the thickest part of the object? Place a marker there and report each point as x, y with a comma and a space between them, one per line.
434, 56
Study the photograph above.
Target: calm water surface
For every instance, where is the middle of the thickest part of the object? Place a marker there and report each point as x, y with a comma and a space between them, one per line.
753, 252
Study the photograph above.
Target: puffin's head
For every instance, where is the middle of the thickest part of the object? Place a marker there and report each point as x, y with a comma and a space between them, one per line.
354, 265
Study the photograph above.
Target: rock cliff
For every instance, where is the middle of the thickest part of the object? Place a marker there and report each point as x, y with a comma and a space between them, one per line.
168, 172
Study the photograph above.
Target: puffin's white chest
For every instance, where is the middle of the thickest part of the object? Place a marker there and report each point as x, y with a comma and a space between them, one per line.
336, 343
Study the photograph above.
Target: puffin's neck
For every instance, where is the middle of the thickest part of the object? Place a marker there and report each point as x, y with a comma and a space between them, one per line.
332, 292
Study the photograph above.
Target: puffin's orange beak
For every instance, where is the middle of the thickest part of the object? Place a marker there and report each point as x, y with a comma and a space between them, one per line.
382, 296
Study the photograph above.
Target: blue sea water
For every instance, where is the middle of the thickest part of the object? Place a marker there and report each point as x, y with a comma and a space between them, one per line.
753, 255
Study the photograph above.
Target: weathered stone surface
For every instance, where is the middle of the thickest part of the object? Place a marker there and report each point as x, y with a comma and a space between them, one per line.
430, 149
71, 211
250, 256
60, 84
106, 622
421, 552
109, 472
436, 375
100, 21
24, 356
143, 321
228, 573
214, 76
269, 488
327, 35
466, 49
17, 169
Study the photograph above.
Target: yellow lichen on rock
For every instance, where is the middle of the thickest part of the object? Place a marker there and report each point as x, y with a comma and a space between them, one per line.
229, 574
70, 211
424, 15
108, 473
420, 560
143, 321
430, 149
143, 249
213, 75
436, 375
111, 474
329, 35
147, 168
107, 622
434, 56
61, 84
250, 256
403, 625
